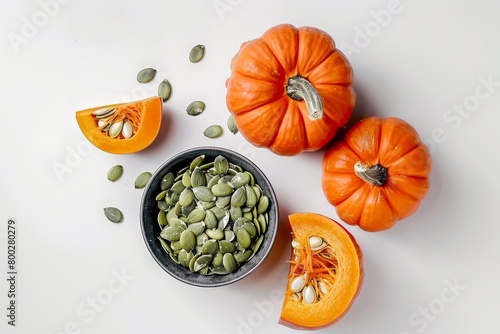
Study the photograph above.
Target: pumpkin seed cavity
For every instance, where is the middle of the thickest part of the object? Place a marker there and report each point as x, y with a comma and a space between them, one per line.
118, 122
201, 216
307, 285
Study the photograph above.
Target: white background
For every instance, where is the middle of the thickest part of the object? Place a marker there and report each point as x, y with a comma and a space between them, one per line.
416, 63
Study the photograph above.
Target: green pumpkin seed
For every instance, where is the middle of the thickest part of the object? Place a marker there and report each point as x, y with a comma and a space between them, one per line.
188, 240
210, 247
167, 181
229, 235
196, 53
229, 262
162, 219
115, 173
142, 180
197, 228
196, 215
251, 229
258, 243
205, 205
196, 162
235, 213
227, 246
186, 179
243, 237
174, 258
202, 261
239, 197
219, 212
240, 179
231, 124
171, 233
218, 271
262, 222
195, 108
177, 187
213, 131
215, 234
163, 205
201, 239
210, 220
164, 90
263, 204
198, 178
251, 196
204, 194
177, 222
146, 75
186, 197
221, 165
184, 257
243, 256
217, 259
223, 223
222, 189
165, 245
223, 201
114, 215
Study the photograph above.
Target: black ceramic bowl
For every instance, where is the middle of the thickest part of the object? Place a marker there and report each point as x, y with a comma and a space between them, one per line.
151, 229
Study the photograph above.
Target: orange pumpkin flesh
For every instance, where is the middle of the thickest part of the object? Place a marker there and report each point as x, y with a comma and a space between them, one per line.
145, 117
338, 266
378, 174
290, 90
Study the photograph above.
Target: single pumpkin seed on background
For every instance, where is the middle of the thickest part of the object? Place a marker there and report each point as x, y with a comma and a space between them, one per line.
164, 90
115, 173
146, 75
196, 54
231, 124
142, 180
195, 108
113, 214
213, 131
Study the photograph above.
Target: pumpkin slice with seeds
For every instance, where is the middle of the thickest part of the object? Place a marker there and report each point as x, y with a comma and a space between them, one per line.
326, 272
124, 127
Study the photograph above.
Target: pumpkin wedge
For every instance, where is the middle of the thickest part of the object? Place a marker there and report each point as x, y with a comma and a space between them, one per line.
326, 272
124, 127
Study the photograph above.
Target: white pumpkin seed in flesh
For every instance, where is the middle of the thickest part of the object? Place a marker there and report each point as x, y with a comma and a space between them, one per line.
127, 130
115, 129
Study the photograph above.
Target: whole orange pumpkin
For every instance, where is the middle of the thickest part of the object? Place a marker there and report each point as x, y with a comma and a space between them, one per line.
378, 174
290, 90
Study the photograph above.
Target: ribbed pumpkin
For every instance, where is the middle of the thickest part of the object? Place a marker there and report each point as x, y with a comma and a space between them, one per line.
378, 174
290, 90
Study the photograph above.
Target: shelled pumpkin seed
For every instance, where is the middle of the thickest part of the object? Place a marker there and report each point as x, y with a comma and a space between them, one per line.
212, 216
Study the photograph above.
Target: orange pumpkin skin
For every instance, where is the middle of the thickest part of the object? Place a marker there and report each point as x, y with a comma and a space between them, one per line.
378, 174
290, 90
148, 116
347, 278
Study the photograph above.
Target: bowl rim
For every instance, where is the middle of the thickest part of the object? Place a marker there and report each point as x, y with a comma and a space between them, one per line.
160, 256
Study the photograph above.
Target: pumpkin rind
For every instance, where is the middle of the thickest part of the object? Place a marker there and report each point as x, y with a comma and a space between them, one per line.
256, 89
148, 128
347, 282
391, 143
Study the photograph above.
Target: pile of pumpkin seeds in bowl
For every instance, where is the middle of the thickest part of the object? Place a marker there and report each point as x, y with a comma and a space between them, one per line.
213, 216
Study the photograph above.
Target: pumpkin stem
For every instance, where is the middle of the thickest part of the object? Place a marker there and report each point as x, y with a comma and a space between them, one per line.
299, 88
376, 174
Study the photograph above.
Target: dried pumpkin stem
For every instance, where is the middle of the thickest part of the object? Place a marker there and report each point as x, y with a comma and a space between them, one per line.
376, 174
299, 88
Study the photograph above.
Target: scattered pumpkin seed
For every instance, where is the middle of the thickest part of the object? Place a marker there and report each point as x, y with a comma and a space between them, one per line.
113, 214
196, 53
115, 173
213, 131
142, 180
231, 124
164, 90
195, 108
146, 75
